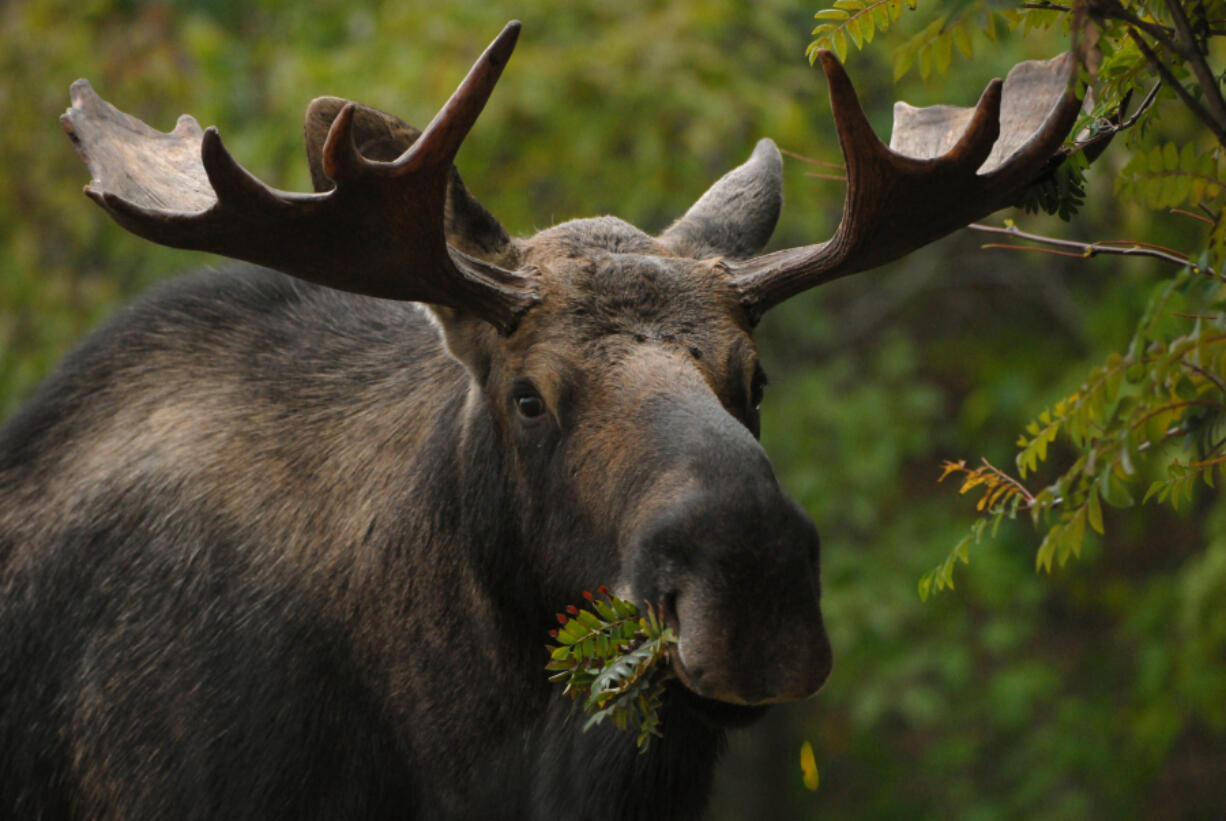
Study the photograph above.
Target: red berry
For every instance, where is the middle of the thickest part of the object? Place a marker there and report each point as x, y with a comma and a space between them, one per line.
553, 634
561, 618
602, 590
570, 608
587, 595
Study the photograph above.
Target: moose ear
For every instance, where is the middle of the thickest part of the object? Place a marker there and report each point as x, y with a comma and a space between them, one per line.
737, 215
379, 136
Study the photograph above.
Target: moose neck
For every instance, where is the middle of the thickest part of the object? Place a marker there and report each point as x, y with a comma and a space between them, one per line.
600, 774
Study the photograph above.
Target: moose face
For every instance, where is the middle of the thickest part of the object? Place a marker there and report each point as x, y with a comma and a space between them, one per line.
627, 401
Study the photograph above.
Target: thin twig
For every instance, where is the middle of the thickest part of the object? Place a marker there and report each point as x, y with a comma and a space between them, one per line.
1174, 406
1212, 377
812, 161
1090, 249
1006, 247
1007, 478
1129, 243
1169, 434
825, 176
1200, 217
1146, 103
1204, 463
1108, 129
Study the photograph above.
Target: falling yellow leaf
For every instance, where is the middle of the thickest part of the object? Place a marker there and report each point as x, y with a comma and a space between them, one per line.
808, 766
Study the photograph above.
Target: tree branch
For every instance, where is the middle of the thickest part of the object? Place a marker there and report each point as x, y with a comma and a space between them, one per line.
1204, 76
1114, 11
1090, 249
1184, 95
1212, 377
1145, 104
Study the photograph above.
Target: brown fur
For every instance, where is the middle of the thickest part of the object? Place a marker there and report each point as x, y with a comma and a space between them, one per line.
268, 550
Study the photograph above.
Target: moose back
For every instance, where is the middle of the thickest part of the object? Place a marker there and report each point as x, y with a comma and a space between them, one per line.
286, 543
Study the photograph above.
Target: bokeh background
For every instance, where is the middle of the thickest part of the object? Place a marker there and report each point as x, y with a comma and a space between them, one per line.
1096, 692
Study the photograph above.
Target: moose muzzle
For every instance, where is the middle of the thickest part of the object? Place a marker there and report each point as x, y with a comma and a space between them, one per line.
733, 563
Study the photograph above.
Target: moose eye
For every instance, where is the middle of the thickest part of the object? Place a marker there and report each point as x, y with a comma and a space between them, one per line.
528, 402
530, 407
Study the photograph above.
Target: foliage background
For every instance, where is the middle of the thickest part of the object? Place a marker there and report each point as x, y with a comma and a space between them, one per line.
1097, 692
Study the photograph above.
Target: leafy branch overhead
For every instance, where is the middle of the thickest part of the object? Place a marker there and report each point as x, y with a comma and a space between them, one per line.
1155, 414
931, 48
614, 661
1148, 424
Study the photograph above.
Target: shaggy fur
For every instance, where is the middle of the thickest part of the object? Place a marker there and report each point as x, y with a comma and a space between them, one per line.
269, 550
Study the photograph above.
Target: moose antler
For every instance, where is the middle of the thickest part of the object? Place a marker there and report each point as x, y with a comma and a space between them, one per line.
379, 231
945, 167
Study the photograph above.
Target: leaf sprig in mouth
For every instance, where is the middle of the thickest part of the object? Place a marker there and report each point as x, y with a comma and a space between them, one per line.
615, 660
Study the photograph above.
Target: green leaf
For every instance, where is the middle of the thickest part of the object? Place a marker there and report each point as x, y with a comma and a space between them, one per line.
1075, 535
962, 39
839, 40
611, 660
1095, 511
1113, 490
1155, 159
903, 60
944, 52
1157, 488
881, 14
1170, 157
590, 620
853, 31
1047, 550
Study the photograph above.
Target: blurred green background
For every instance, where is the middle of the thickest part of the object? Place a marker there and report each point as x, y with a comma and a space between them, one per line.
1098, 692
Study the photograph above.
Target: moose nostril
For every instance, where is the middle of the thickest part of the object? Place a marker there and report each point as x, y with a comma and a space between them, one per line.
668, 606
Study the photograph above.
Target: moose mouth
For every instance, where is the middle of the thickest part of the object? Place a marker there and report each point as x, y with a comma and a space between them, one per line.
719, 714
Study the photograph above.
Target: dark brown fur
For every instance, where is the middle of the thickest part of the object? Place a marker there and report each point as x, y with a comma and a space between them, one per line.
269, 550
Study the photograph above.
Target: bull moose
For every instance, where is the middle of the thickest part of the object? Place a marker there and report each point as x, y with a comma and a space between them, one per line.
287, 543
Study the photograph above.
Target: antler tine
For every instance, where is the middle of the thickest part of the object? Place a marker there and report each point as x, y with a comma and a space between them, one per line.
440, 141
441, 138
945, 168
341, 158
379, 231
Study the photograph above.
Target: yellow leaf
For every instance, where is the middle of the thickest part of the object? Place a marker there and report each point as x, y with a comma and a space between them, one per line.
948, 467
808, 767
973, 480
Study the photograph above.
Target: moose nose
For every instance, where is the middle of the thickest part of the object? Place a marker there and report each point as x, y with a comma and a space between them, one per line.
764, 656
731, 557
741, 591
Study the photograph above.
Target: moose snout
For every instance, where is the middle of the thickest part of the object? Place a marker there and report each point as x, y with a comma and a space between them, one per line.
749, 653
738, 583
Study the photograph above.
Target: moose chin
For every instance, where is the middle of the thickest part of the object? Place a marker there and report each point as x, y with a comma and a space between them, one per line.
284, 540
